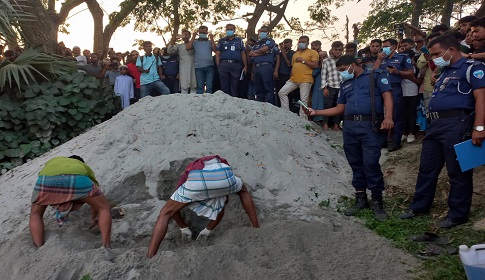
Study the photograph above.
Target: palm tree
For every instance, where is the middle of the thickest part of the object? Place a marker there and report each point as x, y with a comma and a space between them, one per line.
31, 65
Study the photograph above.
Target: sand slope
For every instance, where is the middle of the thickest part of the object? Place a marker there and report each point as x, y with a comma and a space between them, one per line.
138, 156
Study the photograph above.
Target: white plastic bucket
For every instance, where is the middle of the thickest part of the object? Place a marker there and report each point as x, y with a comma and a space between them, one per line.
473, 260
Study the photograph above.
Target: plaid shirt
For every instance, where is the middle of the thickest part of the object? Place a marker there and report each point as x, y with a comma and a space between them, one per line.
330, 75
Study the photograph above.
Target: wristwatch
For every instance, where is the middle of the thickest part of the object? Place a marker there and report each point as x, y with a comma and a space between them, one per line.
303, 62
479, 128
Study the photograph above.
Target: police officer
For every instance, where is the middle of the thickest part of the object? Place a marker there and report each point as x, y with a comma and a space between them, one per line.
266, 63
400, 67
456, 109
170, 66
230, 60
362, 145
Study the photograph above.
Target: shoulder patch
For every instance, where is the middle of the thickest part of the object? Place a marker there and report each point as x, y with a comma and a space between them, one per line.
478, 74
268, 42
408, 60
384, 81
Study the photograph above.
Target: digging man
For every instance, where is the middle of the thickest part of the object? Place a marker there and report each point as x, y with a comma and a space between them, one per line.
66, 184
204, 188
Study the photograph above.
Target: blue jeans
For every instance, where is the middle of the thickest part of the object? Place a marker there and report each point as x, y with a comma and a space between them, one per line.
156, 88
204, 76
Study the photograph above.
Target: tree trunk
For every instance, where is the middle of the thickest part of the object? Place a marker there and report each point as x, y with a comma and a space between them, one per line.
49, 20
446, 12
280, 13
117, 20
417, 12
481, 11
31, 35
97, 14
253, 21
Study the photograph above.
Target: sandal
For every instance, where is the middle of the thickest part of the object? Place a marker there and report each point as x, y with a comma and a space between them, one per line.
432, 251
429, 237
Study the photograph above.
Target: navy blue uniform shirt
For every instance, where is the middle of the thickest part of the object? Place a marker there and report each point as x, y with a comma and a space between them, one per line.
230, 49
270, 55
453, 91
401, 62
170, 65
355, 93
284, 69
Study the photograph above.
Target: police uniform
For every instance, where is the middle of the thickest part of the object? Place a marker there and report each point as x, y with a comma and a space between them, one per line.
263, 70
230, 63
401, 62
362, 145
450, 118
170, 66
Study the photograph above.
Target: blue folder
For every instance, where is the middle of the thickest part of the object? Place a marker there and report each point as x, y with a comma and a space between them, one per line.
469, 156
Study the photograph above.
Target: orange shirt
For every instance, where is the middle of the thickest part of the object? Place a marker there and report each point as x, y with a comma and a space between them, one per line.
301, 73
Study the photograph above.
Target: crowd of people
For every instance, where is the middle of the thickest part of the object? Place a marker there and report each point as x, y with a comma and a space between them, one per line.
383, 93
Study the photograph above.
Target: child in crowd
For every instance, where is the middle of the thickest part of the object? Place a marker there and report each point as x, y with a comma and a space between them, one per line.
124, 86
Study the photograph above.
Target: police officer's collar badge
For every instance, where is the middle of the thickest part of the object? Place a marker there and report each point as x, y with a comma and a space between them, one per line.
478, 74
384, 81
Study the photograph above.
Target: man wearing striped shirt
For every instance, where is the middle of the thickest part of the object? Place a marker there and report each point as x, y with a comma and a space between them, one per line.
331, 82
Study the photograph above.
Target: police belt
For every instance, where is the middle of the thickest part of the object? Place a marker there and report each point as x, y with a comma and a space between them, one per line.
362, 118
262, 63
447, 114
231, 60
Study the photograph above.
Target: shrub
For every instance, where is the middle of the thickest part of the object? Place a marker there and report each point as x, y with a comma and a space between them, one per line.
37, 118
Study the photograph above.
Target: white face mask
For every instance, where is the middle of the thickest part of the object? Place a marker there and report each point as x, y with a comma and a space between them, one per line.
441, 62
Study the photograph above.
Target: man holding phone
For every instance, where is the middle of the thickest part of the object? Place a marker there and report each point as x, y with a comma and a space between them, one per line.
399, 67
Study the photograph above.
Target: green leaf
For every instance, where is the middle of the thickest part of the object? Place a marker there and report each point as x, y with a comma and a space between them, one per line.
78, 116
63, 101
72, 111
12, 153
26, 148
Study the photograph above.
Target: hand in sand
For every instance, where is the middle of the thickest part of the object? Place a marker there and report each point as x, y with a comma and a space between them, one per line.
186, 234
203, 235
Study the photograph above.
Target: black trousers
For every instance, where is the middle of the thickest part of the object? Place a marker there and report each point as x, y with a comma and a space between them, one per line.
410, 104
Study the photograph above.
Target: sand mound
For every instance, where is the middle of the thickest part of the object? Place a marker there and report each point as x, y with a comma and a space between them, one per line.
138, 156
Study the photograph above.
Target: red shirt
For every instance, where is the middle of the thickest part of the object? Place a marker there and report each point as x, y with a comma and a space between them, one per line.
133, 71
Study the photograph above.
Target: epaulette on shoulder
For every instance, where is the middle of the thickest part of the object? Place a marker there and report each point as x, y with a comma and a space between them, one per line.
378, 71
474, 62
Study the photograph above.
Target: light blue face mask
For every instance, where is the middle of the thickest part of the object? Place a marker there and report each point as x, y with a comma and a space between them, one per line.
440, 62
346, 75
229, 33
386, 50
202, 36
263, 35
302, 46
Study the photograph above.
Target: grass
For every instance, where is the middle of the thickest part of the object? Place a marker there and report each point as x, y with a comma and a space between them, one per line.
447, 267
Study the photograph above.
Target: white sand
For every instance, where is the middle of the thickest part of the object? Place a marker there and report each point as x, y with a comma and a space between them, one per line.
138, 156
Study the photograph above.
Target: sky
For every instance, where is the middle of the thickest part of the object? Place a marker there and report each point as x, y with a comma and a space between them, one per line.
81, 24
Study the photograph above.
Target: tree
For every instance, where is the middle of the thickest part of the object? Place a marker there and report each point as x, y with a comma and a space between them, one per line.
50, 20
385, 14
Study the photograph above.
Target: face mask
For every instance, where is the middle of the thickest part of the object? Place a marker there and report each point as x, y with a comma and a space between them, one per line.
263, 35
302, 46
346, 75
202, 36
441, 62
386, 50
229, 33
166, 56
